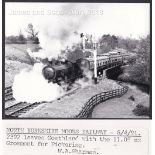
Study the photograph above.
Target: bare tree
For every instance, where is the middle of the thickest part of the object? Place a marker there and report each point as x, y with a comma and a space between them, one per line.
33, 34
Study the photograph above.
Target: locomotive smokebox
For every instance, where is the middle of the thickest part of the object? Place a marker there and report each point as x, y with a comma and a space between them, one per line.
48, 72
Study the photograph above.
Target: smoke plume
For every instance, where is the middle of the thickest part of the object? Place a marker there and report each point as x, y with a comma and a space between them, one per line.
61, 31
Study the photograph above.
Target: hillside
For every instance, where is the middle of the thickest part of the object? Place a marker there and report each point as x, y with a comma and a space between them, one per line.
16, 59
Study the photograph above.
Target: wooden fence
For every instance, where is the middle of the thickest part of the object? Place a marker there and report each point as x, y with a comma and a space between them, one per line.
93, 101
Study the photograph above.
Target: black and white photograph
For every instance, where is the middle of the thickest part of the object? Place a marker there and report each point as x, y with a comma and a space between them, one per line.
77, 60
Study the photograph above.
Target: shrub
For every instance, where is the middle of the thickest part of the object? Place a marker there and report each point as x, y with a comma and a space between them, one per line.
139, 72
141, 110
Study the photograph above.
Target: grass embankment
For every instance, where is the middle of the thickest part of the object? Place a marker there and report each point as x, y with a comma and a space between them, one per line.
138, 74
16, 59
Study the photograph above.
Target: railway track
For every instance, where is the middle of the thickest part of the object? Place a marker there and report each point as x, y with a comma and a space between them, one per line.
15, 108
19, 108
8, 94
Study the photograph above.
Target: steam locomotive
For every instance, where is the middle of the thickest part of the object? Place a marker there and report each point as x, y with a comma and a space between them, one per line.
67, 71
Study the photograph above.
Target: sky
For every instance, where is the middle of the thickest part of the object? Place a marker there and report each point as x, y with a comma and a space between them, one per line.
121, 19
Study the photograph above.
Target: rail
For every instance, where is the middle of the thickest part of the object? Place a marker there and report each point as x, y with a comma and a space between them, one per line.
93, 101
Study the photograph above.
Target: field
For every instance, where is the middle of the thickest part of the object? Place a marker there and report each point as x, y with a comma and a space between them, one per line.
17, 58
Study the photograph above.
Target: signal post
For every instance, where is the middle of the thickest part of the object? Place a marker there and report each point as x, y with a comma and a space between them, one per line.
95, 44
95, 61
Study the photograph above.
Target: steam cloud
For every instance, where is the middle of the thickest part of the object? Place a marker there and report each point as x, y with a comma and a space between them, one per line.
30, 86
87, 80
